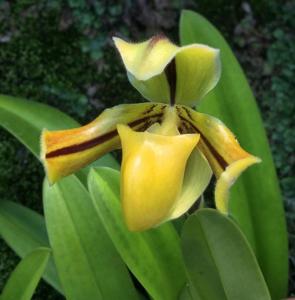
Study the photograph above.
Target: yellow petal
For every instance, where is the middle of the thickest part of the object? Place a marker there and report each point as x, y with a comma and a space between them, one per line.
155, 89
151, 175
228, 178
145, 63
164, 72
225, 155
147, 59
66, 151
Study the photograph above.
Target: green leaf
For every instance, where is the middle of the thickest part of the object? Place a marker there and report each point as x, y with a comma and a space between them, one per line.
153, 256
87, 262
186, 294
256, 202
219, 261
26, 119
24, 230
25, 277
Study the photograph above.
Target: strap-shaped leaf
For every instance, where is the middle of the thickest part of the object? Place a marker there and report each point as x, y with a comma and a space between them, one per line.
25, 277
153, 256
219, 261
186, 294
88, 265
24, 230
25, 120
256, 202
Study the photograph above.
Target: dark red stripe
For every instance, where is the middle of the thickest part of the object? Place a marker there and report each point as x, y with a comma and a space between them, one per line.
96, 141
170, 72
217, 156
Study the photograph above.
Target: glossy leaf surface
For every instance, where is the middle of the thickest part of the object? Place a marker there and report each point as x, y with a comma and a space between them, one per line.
219, 260
25, 277
256, 202
153, 256
26, 119
87, 262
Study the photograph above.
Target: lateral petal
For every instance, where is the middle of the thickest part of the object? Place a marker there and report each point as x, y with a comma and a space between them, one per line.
228, 178
64, 152
223, 152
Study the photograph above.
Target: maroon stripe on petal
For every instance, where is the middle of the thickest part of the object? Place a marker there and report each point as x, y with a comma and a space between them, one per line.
214, 152
100, 139
170, 72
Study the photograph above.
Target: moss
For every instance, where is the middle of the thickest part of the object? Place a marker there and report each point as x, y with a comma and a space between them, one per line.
45, 64
7, 263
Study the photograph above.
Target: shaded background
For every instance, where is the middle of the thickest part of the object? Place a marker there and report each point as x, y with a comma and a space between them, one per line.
61, 53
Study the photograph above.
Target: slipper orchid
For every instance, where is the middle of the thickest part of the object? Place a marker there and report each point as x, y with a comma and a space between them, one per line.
169, 149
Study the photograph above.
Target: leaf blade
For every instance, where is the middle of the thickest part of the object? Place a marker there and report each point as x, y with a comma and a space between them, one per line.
225, 266
249, 194
26, 119
152, 256
97, 269
24, 230
25, 277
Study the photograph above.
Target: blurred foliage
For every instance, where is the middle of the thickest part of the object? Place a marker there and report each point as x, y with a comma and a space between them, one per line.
60, 52
271, 73
269, 65
279, 104
277, 100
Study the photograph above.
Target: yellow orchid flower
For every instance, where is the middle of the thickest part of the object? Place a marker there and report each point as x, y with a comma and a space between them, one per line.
169, 149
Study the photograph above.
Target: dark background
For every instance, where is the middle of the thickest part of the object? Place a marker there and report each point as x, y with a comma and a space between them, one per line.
61, 53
